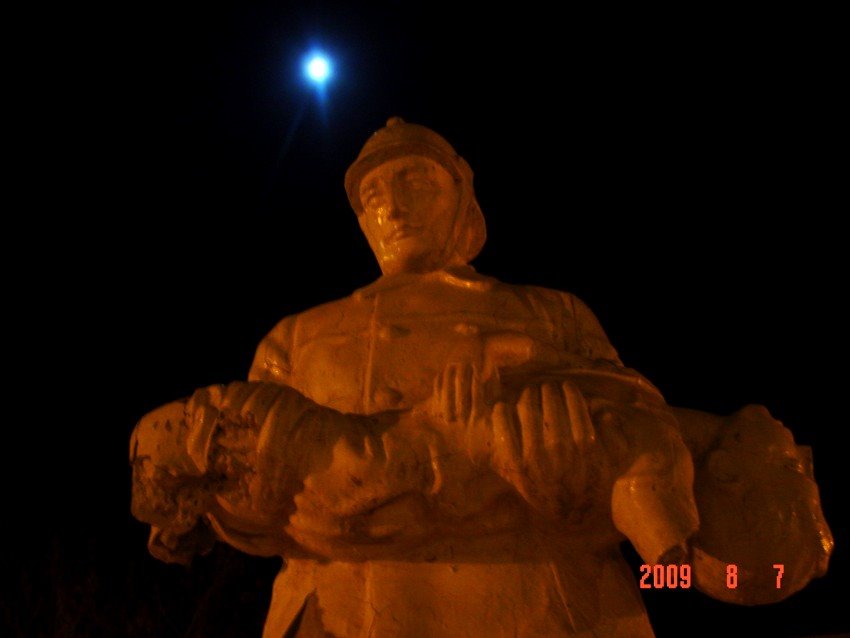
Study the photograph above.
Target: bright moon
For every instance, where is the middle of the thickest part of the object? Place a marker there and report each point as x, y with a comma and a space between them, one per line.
318, 68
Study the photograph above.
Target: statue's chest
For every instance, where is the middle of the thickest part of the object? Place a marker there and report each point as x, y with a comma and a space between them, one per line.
385, 351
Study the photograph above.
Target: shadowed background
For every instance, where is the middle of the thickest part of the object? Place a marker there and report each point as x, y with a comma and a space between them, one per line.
675, 172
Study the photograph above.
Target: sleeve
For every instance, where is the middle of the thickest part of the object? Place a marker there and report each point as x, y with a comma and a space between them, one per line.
586, 334
272, 361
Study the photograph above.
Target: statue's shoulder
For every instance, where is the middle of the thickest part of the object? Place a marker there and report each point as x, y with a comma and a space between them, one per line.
272, 361
580, 328
323, 317
550, 295
554, 302
566, 302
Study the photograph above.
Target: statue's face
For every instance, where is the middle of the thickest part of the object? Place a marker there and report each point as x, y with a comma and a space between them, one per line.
409, 209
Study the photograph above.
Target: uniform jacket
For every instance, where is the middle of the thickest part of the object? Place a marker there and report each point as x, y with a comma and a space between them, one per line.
381, 349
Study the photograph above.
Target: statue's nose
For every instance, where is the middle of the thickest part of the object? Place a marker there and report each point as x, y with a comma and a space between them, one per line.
397, 207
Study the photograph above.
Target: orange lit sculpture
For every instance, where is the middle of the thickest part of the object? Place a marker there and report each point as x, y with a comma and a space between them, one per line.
442, 454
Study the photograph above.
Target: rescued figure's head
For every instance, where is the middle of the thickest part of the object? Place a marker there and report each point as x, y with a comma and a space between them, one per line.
414, 200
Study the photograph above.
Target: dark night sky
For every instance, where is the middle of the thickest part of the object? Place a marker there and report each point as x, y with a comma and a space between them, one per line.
676, 172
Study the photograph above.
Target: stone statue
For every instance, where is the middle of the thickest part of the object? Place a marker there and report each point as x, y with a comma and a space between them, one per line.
443, 454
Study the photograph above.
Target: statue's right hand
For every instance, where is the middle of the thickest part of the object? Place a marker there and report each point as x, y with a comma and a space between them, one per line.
461, 394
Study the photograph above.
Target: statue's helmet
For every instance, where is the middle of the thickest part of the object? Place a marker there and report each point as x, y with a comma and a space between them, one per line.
399, 139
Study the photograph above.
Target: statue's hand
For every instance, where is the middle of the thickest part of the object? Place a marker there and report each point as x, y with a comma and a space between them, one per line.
462, 404
540, 438
462, 394
544, 443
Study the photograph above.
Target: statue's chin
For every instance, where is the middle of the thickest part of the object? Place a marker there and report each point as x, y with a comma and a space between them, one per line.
409, 263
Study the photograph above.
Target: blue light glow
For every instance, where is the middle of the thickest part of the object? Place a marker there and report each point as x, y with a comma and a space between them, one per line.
318, 68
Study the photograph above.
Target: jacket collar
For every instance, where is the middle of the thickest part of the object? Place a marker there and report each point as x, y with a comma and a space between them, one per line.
463, 276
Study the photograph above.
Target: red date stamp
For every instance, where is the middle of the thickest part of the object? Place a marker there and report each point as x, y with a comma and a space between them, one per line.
665, 576
679, 576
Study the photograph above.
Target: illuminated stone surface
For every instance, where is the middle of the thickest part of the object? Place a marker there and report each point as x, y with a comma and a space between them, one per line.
442, 454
